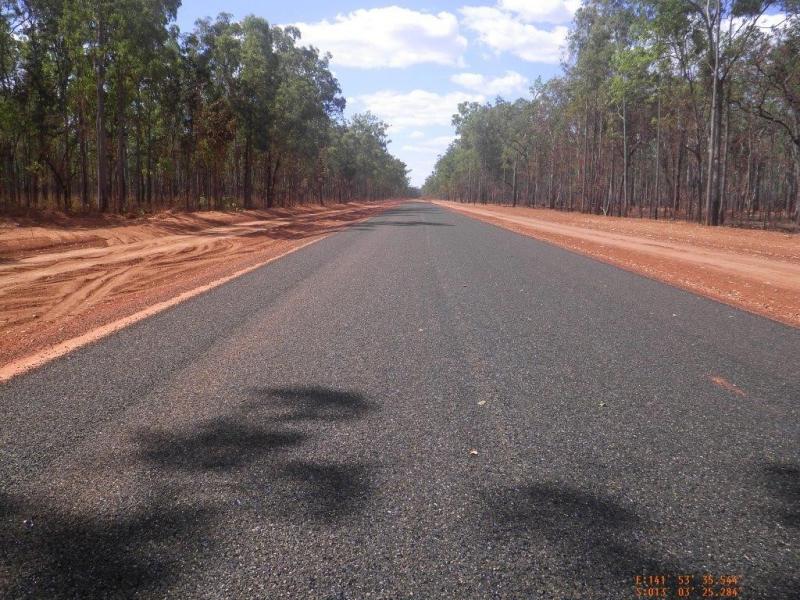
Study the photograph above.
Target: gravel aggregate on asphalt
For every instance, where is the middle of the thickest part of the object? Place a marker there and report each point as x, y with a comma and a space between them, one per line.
420, 406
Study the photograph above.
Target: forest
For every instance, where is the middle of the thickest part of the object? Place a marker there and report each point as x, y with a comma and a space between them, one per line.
664, 109
106, 106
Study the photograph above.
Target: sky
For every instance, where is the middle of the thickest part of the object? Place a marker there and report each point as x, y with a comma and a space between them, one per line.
411, 63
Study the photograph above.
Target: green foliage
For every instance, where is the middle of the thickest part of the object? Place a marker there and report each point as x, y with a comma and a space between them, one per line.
231, 113
629, 123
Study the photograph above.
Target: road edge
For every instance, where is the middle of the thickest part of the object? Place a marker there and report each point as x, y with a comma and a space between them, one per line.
42, 357
619, 265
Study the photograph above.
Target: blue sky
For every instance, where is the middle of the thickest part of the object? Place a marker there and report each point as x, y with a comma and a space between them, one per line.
412, 62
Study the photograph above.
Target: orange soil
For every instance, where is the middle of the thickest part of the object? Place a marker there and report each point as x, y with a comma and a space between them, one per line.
61, 282
758, 271
726, 385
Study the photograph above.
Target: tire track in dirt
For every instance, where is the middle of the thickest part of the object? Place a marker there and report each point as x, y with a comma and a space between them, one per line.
66, 290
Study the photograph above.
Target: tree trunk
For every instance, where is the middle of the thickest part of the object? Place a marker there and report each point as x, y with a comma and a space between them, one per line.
712, 177
723, 177
657, 199
585, 155
102, 151
67, 166
122, 159
514, 199
248, 170
84, 152
796, 156
624, 210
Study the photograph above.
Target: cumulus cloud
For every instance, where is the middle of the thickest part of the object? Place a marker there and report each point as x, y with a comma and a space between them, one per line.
503, 31
419, 165
765, 22
433, 146
509, 84
542, 11
773, 20
415, 109
388, 37
420, 156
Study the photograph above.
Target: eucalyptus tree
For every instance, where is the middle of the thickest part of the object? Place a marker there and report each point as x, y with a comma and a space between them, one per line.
12, 112
673, 107
107, 103
307, 100
773, 87
252, 93
710, 39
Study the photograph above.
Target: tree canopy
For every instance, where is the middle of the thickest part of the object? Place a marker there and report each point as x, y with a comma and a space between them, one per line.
665, 107
107, 105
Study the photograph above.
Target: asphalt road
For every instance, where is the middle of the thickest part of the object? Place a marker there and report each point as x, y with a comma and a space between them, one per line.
422, 405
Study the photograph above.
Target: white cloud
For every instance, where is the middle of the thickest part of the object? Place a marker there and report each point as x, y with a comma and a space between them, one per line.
503, 32
468, 80
420, 157
388, 37
415, 109
421, 165
417, 118
542, 11
512, 83
770, 25
433, 146
765, 22
773, 20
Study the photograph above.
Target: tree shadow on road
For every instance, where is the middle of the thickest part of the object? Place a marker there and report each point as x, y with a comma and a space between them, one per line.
327, 492
219, 444
595, 538
311, 403
604, 543
252, 450
52, 553
375, 224
52, 548
251, 434
782, 480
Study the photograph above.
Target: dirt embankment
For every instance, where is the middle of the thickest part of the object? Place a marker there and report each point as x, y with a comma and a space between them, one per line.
758, 271
67, 282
